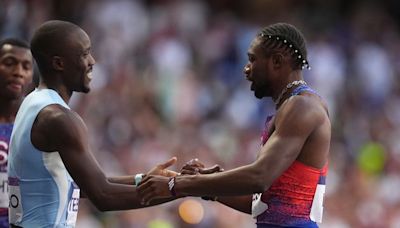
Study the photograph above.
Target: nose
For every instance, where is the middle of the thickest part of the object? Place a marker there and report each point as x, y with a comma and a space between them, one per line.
18, 70
92, 61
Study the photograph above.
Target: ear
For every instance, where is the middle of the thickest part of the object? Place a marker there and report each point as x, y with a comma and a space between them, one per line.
57, 63
277, 60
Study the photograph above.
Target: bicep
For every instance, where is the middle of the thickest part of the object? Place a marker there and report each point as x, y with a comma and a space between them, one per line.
292, 128
71, 141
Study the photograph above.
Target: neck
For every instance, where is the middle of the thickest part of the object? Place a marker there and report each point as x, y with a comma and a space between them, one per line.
8, 109
64, 93
286, 86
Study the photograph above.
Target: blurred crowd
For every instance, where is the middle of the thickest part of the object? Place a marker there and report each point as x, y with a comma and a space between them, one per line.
168, 82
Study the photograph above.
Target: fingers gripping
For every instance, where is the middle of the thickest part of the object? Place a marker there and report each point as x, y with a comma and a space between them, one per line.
153, 187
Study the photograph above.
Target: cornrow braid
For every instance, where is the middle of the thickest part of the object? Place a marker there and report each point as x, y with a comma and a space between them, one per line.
288, 39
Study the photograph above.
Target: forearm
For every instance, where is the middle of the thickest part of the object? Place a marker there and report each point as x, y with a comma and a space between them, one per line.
120, 197
274, 158
244, 180
128, 180
239, 203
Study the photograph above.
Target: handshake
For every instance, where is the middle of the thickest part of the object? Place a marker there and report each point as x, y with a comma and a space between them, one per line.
159, 182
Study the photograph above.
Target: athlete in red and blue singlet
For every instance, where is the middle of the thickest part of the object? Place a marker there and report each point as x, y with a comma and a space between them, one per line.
15, 75
295, 199
289, 172
5, 133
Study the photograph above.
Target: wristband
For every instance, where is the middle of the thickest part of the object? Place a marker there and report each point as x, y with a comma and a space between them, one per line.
138, 178
171, 186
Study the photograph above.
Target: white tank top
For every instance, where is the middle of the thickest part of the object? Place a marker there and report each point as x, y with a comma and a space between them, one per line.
41, 191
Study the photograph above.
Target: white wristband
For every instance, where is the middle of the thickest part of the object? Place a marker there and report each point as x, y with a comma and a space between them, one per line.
138, 178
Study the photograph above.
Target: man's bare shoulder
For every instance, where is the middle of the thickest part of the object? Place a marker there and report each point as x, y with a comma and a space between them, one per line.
55, 115
56, 127
306, 106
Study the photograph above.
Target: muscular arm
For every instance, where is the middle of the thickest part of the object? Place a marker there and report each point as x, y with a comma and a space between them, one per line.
293, 125
240, 203
59, 129
128, 180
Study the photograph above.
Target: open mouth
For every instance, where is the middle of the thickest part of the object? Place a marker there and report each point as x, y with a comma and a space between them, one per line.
89, 75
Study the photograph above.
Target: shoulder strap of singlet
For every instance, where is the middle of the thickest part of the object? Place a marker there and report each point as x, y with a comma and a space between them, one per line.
303, 88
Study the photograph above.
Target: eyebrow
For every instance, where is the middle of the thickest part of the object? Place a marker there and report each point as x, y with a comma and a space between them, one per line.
9, 55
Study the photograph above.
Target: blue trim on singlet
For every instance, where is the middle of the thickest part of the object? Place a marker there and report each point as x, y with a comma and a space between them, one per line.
303, 88
322, 180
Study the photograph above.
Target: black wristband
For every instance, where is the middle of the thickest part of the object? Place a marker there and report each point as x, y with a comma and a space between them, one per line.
171, 186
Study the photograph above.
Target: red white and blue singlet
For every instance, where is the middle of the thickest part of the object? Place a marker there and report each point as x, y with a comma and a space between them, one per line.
5, 134
295, 199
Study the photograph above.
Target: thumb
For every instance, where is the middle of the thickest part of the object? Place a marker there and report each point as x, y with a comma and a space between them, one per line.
168, 163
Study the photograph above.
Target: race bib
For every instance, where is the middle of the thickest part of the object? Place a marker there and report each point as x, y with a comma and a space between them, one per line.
15, 207
257, 205
72, 211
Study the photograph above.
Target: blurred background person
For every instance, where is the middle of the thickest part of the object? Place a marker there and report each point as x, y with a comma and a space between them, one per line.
16, 71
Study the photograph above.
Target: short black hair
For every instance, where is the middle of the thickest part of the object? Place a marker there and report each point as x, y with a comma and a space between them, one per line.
287, 38
15, 42
48, 40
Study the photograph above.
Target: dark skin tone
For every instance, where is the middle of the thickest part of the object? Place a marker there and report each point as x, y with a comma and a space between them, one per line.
300, 131
15, 75
59, 129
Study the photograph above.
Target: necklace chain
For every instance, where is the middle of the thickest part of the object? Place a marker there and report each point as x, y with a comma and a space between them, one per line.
287, 87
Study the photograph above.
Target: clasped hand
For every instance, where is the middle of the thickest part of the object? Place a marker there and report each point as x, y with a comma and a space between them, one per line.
154, 186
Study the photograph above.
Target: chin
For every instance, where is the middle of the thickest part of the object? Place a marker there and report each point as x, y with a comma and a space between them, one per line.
85, 90
259, 95
12, 95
